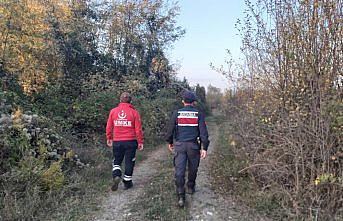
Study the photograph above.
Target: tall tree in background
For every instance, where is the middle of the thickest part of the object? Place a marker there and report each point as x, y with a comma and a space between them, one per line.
76, 42
200, 92
138, 33
26, 46
214, 97
71, 40
202, 104
67, 50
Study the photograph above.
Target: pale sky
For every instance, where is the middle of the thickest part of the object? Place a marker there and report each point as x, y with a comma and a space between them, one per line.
210, 30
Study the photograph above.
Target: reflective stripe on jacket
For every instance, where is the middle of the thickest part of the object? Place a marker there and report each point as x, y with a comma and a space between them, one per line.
187, 125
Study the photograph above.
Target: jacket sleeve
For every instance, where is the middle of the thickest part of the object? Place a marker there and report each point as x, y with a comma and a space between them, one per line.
109, 127
138, 128
171, 126
203, 131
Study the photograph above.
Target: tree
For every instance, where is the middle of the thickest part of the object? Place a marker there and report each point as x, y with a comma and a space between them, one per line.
214, 97
76, 43
201, 95
25, 45
138, 33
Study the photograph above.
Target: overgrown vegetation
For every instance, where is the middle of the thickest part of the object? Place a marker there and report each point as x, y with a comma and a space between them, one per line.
287, 105
227, 179
63, 65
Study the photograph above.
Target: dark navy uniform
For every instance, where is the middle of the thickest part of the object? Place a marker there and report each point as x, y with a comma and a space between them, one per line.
188, 129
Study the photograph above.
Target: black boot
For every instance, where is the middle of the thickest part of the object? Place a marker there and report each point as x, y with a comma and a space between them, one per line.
128, 185
116, 181
181, 201
190, 190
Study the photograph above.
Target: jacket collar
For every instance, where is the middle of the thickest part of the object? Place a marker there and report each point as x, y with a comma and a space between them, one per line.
188, 105
126, 105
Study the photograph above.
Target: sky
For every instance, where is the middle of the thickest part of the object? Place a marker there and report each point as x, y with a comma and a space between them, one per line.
210, 30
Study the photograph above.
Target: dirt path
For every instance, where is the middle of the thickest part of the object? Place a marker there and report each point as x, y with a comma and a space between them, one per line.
205, 204
117, 206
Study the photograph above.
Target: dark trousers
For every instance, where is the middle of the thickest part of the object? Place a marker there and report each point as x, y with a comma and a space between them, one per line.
123, 149
186, 153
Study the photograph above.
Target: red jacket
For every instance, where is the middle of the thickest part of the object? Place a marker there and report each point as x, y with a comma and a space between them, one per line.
124, 123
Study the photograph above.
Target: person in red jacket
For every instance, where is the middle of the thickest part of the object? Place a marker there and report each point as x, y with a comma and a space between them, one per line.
124, 134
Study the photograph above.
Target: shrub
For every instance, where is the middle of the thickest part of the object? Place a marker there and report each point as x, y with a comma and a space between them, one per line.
53, 177
32, 153
90, 114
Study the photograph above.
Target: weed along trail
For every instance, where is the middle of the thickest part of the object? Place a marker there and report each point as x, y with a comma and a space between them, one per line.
205, 204
118, 204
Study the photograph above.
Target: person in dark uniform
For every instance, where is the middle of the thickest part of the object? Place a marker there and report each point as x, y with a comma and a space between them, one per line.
188, 129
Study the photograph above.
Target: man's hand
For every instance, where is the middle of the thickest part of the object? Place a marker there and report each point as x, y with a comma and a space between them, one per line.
109, 143
171, 147
140, 146
203, 154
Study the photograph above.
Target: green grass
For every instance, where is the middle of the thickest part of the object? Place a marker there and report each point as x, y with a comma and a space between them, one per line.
79, 199
159, 201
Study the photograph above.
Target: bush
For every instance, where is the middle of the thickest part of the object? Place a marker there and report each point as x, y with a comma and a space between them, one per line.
155, 113
33, 162
90, 114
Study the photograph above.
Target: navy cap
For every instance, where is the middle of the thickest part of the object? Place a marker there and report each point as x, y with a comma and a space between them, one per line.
188, 96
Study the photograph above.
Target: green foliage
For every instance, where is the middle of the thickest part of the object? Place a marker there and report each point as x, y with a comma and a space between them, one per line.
53, 177
202, 103
14, 144
34, 158
155, 113
139, 33
213, 96
26, 46
335, 112
11, 96
24, 135
90, 114
51, 104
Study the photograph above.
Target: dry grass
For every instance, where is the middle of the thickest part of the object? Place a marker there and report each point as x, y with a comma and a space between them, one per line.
229, 159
